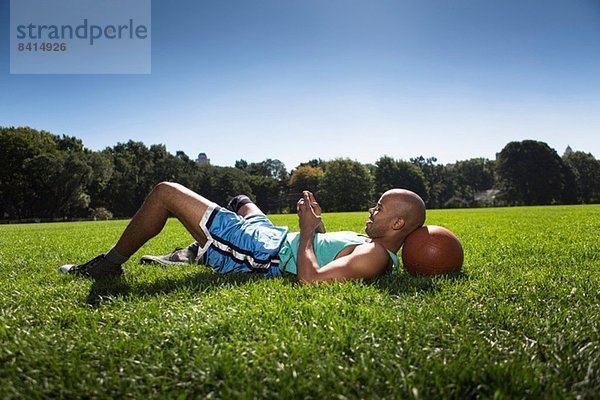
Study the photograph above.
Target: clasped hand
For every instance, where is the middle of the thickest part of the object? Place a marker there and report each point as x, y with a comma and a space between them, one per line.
309, 212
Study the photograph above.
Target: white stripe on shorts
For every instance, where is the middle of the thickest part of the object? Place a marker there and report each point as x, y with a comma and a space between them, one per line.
240, 257
211, 208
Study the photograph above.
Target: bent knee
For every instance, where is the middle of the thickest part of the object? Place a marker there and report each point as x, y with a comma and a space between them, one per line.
166, 188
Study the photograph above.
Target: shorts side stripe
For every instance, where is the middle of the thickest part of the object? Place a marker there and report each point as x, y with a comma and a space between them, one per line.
213, 213
207, 218
240, 258
247, 253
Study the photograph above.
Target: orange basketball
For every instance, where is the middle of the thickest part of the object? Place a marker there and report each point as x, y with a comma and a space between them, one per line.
432, 250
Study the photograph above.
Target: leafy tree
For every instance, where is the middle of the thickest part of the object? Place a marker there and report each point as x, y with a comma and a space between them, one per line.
390, 173
102, 171
227, 183
586, 171
346, 186
132, 177
101, 213
266, 192
315, 163
569, 188
70, 187
221, 184
242, 164
473, 176
269, 167
530, 172
70, 144
270, 179
43, 170
174, 168
42, 175
305, 177
439, 180
16, 146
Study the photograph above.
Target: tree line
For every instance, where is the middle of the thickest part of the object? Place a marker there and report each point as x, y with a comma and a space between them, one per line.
47, 176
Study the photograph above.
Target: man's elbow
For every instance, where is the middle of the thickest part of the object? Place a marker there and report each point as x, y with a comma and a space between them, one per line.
305, 279
320, 277
308, 276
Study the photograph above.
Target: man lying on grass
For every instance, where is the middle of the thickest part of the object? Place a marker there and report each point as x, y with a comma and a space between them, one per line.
244, 239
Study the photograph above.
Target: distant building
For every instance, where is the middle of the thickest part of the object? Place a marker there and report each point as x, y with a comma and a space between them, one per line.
202, 159
568, 151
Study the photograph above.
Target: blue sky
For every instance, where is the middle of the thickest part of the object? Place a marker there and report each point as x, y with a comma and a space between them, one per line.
297, 80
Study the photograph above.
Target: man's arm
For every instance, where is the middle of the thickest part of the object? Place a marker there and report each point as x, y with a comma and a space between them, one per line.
365, 261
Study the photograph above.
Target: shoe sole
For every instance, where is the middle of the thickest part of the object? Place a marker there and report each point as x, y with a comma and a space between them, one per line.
161, 261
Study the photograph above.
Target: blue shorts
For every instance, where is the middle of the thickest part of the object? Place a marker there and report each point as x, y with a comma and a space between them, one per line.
237, 244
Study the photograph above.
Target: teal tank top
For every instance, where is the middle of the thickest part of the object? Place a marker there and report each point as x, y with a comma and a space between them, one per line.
326, 245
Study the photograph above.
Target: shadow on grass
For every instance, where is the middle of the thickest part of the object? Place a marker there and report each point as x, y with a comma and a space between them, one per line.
204, 281
403, 283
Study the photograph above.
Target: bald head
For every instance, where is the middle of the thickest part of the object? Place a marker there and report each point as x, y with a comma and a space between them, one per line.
407, 205
397, 213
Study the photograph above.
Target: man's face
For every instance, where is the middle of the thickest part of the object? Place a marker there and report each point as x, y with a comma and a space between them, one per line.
379, 218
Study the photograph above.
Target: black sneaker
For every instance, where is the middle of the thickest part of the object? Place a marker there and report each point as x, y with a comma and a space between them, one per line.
180, 256
97, 267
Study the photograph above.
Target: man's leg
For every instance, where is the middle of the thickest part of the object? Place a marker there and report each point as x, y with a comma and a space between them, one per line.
165, 199
241, 205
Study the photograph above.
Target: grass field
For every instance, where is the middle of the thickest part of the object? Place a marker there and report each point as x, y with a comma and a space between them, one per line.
521, 322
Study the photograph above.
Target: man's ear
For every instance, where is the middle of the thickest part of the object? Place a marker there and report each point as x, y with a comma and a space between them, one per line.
399, 223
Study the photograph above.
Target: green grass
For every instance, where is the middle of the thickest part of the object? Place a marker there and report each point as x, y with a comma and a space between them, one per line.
521, 322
